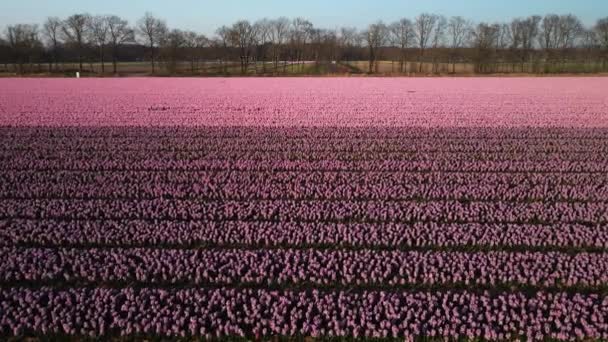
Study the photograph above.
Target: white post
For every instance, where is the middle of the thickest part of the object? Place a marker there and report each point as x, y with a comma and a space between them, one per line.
77, 74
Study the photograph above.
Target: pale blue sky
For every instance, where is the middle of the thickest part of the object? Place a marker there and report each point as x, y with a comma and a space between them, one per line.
206, 15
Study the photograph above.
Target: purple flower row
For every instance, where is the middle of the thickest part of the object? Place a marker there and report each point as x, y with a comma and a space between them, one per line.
316, 135
268, 186
152, 162
264, 154
572, 102
193, 233
546, 180
257, 313
292, 267
419, 147
290, 211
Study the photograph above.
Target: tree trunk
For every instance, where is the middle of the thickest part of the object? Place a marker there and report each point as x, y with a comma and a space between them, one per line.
114, 58
152, 57
55, 56
103, 66
80, 60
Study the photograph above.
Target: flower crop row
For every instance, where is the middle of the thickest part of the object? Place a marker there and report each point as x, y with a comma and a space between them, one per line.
269, 155
308, 211
172, 233
257, 313
167, 267
155, 163
268, 186
576, 102
23, 179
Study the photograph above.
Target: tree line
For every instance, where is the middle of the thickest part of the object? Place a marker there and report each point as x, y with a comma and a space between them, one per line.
428, 43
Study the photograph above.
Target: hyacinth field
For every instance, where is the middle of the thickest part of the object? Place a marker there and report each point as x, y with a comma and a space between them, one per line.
472, 208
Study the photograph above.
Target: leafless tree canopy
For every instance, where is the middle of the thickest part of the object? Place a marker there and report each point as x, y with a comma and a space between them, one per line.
427, 43
402, 35
120, 33
375, 36
98, 30
152, 31
51, 30
75, 31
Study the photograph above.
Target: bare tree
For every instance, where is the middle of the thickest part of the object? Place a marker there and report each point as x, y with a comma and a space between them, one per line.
279, 34
172, 44
425, 25
570, 28
300, 35
375, 36
224, 34
589, 40
75, 31
4, 53
504, 38
51, 30
601, 33
403, 35
524, 33
601, 30
534, 42
194, 42
262, 29
152, 30
349, 39
559, 32
119, 34
24, 42
328, 47
459, 34
549, 28
485, 37
243, 36
438, 39
99, 35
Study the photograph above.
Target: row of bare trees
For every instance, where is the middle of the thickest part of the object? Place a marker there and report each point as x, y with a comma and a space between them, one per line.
548, 38
272, 45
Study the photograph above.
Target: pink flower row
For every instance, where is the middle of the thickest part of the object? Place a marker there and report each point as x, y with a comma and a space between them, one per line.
271, 186
308, 211
192, 233
23, 162
256, 313
345, 102
168, 267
